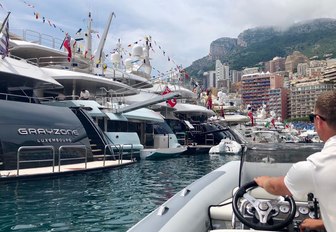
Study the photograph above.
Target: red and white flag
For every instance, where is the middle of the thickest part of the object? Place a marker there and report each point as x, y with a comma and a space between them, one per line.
171, 102
67, 46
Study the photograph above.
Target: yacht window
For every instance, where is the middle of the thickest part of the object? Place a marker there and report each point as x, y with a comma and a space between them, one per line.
162, 128
116, 126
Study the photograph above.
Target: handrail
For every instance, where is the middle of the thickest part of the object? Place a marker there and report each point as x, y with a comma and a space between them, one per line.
31, 161
42, 39
111, 146
30, 99
71, 146
127, 144
120, 148
61, 62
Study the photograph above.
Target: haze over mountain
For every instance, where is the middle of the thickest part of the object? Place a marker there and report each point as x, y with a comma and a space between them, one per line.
314, 38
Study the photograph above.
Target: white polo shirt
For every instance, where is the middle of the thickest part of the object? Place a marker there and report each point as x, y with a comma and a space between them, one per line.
317, 175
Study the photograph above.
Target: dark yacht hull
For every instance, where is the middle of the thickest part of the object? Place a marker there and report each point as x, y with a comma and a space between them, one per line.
38, 129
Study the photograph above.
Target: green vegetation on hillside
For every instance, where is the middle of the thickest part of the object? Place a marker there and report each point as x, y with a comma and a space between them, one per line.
315, 39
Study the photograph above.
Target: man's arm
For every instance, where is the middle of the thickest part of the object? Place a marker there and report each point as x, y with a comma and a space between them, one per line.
273, 185
312, 224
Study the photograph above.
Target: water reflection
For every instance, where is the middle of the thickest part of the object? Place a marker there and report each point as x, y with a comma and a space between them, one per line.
103, 201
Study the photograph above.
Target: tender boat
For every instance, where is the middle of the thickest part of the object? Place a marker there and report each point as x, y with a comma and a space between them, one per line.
227, 198
226, 147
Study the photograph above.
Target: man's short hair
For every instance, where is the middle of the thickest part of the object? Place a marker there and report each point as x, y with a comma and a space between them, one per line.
326, 106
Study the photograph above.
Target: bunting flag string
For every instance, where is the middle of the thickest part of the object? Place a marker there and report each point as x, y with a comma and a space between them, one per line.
149, 40
50, 22
43, 18
177, 68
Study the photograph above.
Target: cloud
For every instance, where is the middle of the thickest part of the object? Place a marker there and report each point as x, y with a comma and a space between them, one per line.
183, 29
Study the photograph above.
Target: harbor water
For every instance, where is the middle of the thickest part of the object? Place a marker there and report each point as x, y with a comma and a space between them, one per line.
112, 200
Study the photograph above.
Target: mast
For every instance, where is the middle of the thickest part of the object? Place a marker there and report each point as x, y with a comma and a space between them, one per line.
98, 56
147, 66
88, 40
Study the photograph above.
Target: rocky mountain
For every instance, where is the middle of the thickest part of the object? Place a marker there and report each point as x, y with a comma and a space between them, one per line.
312, 38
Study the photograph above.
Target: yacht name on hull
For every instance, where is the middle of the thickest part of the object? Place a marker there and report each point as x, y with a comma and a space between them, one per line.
46, 131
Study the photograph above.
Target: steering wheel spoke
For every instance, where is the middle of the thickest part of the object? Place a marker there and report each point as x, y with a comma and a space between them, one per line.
265, 210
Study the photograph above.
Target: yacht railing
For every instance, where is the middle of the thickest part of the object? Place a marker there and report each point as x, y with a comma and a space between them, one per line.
61, 150
18, 161
16, 97
29, 99
120, 149
19, 58
61, 62
70, 159
40, 38
108, 102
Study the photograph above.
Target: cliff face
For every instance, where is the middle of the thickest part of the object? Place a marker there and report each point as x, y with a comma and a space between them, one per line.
222, 47
256, 35
263, 43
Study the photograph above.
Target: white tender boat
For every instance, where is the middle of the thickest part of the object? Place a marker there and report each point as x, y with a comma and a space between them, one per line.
227, 199
226, 147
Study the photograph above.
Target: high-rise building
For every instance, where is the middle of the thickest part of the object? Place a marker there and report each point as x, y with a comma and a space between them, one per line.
236, 76
302, 69
293, 60
223, 77
265, 88
210, 80
278, 102
275, 65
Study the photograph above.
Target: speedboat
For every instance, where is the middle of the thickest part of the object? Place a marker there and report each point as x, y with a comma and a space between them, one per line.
265, 136
227, 199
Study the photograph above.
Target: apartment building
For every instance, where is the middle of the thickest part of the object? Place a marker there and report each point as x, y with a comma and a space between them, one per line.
277, 64
293, 60
236, 76
278, 102
256, 90
303, 96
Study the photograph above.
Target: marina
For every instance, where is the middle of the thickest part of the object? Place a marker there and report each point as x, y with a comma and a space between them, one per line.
105, 200
106, 142
110, 200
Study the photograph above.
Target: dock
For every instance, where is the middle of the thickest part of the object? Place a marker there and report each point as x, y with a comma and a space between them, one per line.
58, 170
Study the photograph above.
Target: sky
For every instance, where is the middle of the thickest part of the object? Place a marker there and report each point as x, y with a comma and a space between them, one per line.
182, 29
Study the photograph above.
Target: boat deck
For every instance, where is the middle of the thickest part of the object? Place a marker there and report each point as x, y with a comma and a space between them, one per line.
62, 169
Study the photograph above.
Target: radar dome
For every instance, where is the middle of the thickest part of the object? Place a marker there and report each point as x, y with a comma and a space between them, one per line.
145, 52
128, 63
115, 58
137, 50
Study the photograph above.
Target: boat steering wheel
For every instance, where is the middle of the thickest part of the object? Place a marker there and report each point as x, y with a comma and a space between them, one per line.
264, 210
